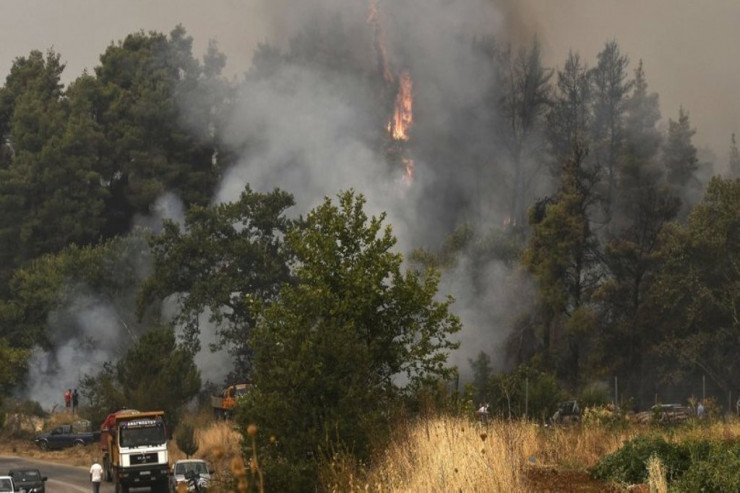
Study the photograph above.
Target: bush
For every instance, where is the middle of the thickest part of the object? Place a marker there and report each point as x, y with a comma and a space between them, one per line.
629, 463
718, 470
185, 439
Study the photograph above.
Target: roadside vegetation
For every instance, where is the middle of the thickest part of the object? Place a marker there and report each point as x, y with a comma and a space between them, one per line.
439, 453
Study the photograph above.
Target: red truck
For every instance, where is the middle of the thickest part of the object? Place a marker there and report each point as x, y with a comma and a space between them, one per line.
134, 448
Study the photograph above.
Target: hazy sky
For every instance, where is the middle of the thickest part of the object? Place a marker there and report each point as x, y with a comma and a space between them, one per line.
689, 47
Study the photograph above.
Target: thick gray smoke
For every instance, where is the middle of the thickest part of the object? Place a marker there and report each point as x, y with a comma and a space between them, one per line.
309, 130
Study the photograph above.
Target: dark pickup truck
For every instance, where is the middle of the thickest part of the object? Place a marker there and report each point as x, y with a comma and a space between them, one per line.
65, 436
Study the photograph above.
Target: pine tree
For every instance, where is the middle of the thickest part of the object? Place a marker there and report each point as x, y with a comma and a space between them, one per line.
734, 159
679, 154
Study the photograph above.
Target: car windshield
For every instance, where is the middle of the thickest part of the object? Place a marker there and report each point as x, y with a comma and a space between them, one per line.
6, 484
30, 475
185, 467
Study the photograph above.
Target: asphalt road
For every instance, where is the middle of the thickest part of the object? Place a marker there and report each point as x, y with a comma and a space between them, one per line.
61, 479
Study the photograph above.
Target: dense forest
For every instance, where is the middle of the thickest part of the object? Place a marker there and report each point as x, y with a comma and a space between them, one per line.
579, 234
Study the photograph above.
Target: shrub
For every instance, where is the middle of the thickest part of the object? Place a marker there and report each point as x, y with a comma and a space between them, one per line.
185, 439
629, 463
717, 470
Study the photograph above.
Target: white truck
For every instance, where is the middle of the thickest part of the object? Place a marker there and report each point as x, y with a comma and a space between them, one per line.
134, 447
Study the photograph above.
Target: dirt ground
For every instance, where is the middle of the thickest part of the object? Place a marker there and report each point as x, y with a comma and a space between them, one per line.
552, 480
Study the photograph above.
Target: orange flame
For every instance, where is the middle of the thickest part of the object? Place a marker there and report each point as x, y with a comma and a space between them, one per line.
403, 115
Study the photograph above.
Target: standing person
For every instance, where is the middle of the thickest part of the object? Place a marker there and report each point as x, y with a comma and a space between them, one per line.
700, 410
68, 398
75, 400
96, 476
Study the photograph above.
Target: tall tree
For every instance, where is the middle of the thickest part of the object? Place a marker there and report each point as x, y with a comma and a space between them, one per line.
340, 346
694, 298
570, 116
562, 255
147, 83
631, 259
642, 138
610, 90
734, 159
525, 101
154, 373
679, 154
50, 193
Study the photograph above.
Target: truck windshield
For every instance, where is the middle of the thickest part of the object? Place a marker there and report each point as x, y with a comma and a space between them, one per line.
143, 436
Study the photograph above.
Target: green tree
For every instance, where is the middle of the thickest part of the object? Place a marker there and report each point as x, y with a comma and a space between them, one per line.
563, 257
679, 154
695, 295
570, 115
225, 255
339, 347
185, 438
610, 90
155, 373
631, 259
160, 132
32, 121
111, 272
13, 364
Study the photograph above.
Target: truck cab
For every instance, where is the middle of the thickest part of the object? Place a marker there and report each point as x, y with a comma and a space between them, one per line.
134, 446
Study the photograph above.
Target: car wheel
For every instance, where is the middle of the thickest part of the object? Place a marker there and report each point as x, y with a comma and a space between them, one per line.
44, 445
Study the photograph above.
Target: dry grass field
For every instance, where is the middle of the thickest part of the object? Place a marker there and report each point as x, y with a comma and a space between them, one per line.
441, 454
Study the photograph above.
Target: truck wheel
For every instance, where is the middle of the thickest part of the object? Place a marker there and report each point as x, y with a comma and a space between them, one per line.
79, 443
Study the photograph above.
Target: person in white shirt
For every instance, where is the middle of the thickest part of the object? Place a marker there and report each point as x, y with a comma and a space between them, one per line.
96, 476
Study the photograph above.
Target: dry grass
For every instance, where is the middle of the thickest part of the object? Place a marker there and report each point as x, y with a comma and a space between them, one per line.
456, 454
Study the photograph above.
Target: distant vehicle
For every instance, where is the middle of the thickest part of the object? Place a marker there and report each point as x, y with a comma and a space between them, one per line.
66, 436
223, 405
194, 472
568, 412
28, 480
6, 485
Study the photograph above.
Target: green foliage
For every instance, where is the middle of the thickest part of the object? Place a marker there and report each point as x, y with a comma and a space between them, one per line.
332, 349
715, 470
185, 439
628, 464
223, 249
693, 298
679, 154
155, 374
524, 391
110, 272
562, 256
13, 362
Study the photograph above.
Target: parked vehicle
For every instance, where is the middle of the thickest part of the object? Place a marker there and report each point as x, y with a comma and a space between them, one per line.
568, 412
223, 405
28, 480
6, 485
64, 436
194, 472
134, 448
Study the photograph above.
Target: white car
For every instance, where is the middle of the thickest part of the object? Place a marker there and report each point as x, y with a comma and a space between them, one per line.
7, 485
186, 468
